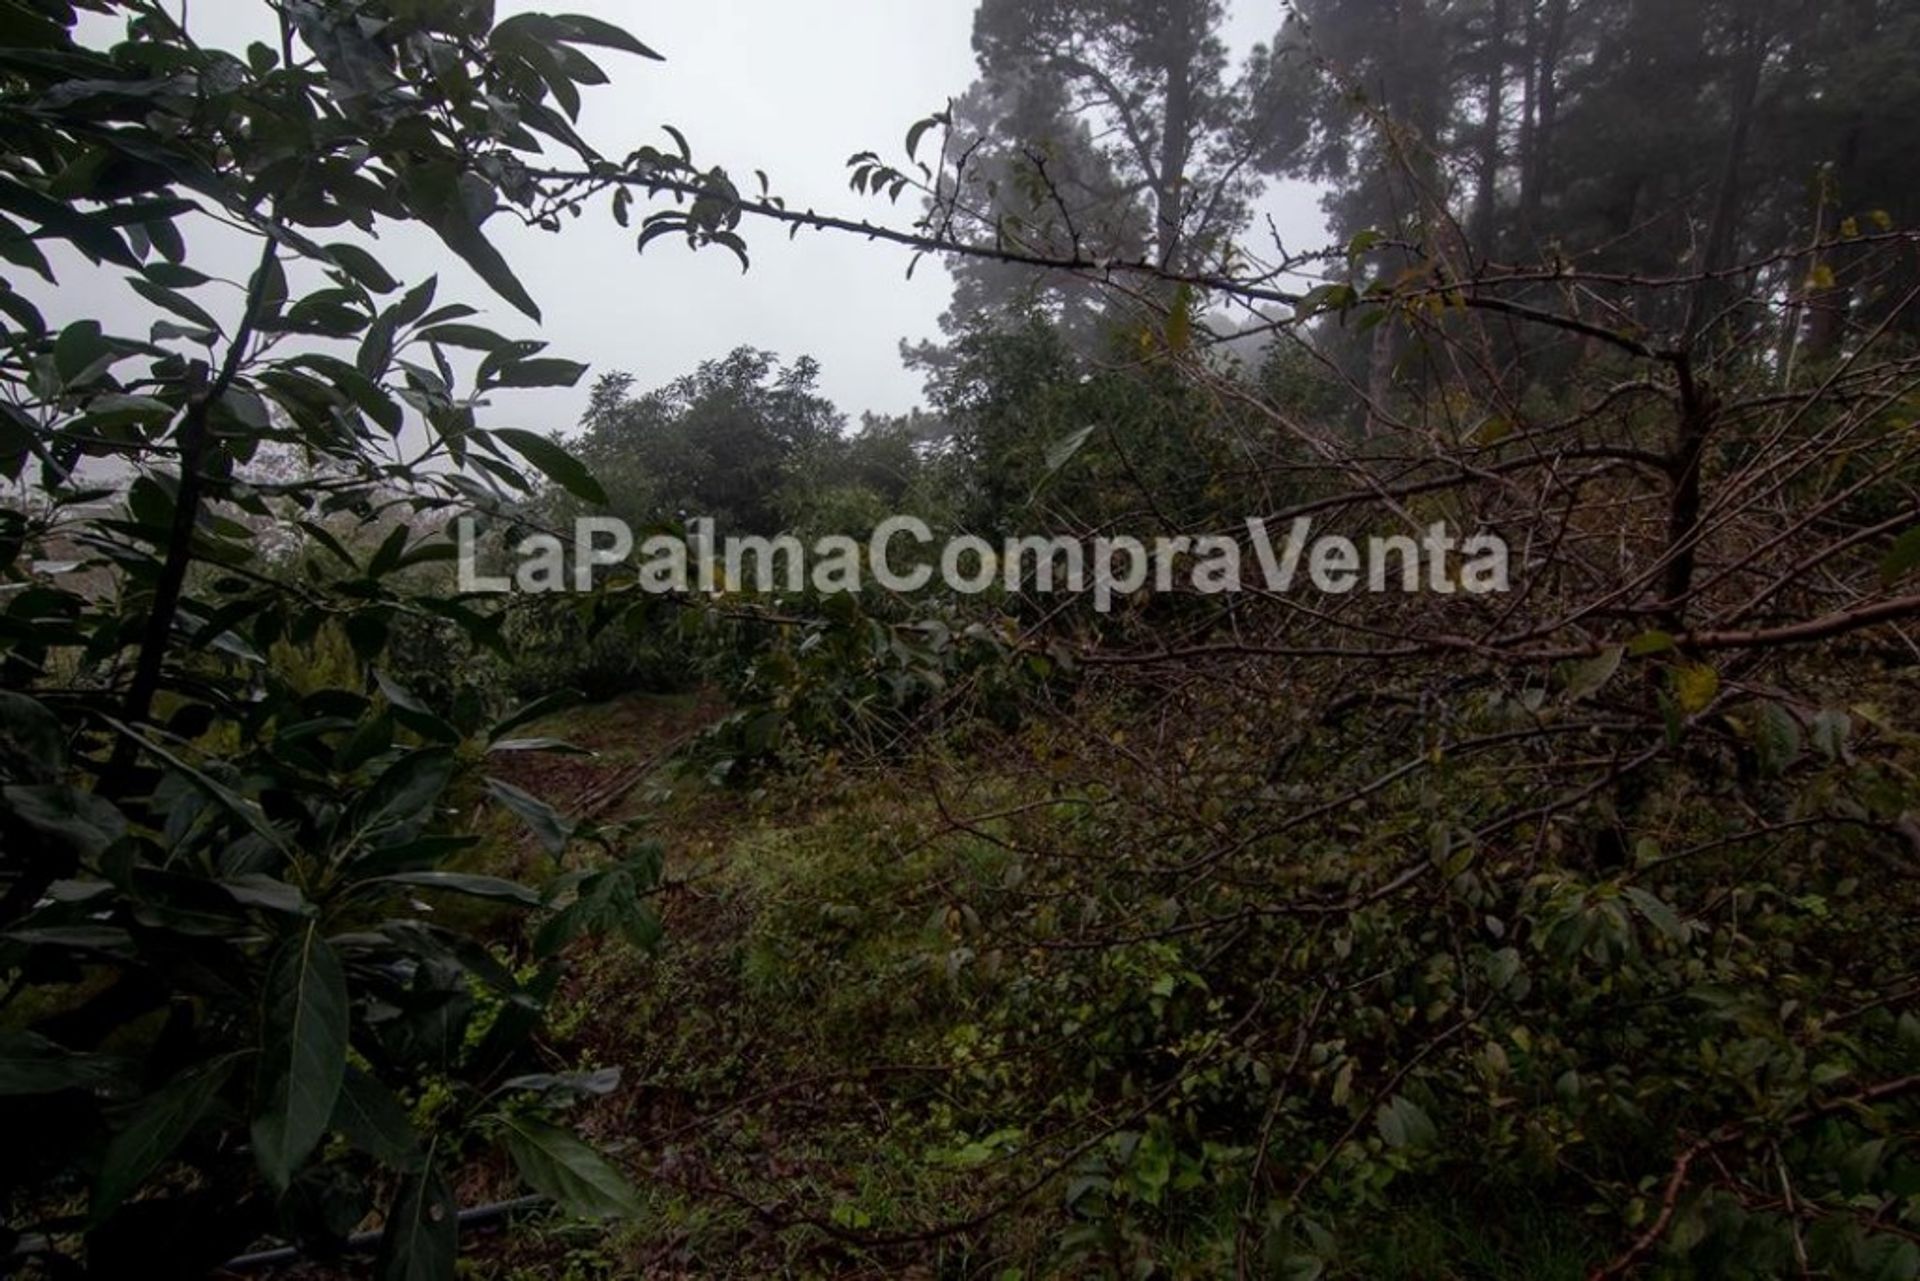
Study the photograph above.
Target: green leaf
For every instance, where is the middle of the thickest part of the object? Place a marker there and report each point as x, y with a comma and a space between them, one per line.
267, 894
917, 132
177, 303
422, 1237
394, 692
174, 276
157, 1127
413, 713
385, 557
31, 1064
89, 233
320, 535
17, 247
539, 373
241, 808
373, 1120
404, 794
664, 223
82, 353
35, 731
1885, 1257
557, 1164
104, 940
1328, 297
732, 241
486, 887
1901, 558
469, 337
581, 29
1149, 1171
1503, 967
304, 1055
247, 408
1403, 1124
436, 196
77, 819
428, 554
414, 303
489, 265
555, 463
1831, 730
609, 902
373, 358
541, 818
1590, 677
1776, 739
1858, 1167
21, 312
1653, 642
364, 268
1657, 913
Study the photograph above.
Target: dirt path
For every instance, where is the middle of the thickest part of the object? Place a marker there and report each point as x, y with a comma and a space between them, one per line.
628, 738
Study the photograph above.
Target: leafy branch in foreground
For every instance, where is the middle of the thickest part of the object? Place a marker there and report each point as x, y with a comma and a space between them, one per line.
239, 995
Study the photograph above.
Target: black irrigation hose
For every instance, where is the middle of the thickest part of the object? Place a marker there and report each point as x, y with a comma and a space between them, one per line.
368, 1242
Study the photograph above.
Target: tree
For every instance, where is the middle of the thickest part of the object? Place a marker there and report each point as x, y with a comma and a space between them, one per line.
1104, 129
1624, 138
715, 443
1153, 79
847, 484
1555, 890
210, 926
1036, 171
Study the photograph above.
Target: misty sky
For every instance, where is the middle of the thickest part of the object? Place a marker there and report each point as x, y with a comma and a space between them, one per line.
790, 87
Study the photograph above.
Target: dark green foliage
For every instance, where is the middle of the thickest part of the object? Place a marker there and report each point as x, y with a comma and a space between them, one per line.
716, 443
599, 647
222, 806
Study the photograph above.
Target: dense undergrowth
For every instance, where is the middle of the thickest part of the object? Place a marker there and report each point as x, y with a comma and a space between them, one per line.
976, 1014
1252, 927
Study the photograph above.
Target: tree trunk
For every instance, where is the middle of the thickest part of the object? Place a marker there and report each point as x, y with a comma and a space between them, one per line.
1483, 210
1171, 181
1725, 222
1544, 69
1381, 357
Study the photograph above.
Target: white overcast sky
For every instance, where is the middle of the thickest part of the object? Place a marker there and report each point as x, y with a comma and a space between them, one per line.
789, 86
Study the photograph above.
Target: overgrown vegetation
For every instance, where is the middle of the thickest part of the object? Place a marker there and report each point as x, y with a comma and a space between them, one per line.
1566, 931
